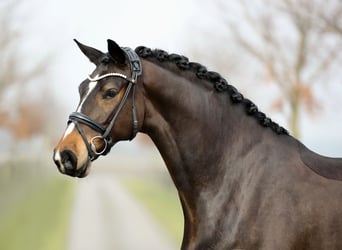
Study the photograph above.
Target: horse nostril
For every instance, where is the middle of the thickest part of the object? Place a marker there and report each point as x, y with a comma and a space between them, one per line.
69, 160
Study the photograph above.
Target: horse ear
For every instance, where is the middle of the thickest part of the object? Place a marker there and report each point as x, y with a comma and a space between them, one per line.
93, 55
116, 53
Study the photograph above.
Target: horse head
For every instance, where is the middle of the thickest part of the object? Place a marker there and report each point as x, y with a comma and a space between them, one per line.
107, 111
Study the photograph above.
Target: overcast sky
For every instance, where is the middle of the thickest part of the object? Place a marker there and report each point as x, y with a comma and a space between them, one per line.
169, 25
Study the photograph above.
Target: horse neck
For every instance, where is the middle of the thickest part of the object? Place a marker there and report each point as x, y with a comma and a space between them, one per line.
202, 138
192, 125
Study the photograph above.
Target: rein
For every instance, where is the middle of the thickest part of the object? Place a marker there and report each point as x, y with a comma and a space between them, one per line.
78, 117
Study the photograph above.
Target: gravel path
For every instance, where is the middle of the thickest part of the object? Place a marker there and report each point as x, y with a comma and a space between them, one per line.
106, 217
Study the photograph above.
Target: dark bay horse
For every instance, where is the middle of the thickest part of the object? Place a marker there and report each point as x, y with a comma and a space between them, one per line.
243, 181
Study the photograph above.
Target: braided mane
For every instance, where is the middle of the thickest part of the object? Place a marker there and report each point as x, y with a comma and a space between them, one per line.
220, 84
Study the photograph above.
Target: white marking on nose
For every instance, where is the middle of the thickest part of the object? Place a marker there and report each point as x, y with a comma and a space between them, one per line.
57, 156
69, 129
90, 88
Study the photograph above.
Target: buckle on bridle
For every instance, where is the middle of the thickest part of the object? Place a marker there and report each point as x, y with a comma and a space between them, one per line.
93, 146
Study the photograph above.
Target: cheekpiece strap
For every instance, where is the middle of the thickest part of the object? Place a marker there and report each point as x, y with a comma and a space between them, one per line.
135, 63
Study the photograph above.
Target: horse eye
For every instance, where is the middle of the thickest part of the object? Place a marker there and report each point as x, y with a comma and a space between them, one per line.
110, 93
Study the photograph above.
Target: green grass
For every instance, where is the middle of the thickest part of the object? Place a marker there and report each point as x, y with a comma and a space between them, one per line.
163, 203
40, 219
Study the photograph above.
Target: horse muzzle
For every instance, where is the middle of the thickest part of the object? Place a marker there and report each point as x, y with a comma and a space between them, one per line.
67, 163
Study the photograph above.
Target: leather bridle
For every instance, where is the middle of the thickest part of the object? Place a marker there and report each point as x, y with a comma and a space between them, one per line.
78, 117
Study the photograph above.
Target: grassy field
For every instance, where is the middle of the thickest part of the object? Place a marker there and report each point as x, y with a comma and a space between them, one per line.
163, 203
39, 220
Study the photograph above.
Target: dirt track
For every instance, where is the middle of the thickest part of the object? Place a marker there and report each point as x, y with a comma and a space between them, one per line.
106, 217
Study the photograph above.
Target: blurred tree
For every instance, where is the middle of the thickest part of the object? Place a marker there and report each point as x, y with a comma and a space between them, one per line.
23, 115
330, 19
27, 121
295, 43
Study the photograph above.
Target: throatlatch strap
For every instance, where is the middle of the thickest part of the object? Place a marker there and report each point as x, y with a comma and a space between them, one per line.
117, 112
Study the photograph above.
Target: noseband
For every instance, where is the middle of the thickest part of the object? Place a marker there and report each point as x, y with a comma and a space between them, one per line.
77, 117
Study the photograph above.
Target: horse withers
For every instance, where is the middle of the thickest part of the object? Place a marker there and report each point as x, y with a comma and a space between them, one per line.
243, 181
